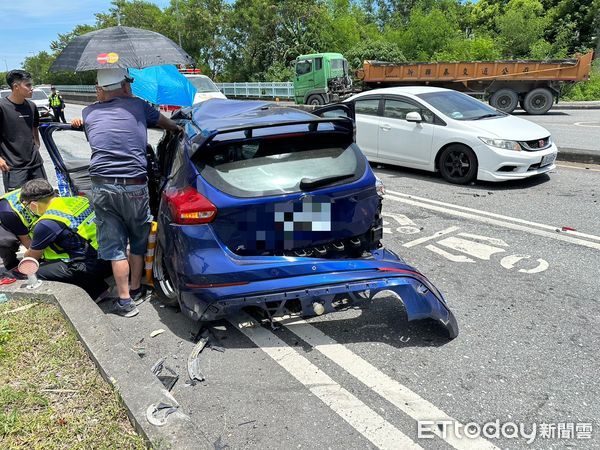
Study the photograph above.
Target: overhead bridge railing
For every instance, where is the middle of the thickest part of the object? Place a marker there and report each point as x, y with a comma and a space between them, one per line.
262, 90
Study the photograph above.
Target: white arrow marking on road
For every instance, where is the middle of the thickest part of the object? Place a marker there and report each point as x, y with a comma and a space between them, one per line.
567, 236
508, 262
429, 238
450, 256
366, 421
399, 395
471, 248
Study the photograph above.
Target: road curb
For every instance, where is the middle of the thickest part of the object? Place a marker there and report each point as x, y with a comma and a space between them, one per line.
578, 156
138, 388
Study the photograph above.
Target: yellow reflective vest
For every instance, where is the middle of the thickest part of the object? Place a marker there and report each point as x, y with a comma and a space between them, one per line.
55, 100
27, 217
77, 214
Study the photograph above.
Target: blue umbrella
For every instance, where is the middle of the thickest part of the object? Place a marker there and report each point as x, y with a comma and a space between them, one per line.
162, 85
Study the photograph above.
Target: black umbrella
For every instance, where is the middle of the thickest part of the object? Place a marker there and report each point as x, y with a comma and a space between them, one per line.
119, 47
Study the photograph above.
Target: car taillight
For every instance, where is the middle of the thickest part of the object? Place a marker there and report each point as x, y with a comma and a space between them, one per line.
189, 207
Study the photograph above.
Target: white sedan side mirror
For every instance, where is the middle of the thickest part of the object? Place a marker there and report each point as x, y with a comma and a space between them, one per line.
414, 116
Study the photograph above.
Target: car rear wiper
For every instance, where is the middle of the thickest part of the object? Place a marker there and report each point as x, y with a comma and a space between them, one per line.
311, 183
485, 116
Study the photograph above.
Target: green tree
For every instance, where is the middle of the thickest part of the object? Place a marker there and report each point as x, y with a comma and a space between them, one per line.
38, 66
374, 50
522, 25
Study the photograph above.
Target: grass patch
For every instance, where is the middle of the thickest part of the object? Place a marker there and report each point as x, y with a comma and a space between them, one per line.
51, 395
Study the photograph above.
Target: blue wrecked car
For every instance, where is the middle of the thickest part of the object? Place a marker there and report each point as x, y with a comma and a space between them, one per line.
266, 208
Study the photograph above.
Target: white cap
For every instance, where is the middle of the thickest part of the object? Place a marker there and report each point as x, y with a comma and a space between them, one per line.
110, 79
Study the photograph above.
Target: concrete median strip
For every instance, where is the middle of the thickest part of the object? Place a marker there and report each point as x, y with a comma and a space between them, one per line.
136, 385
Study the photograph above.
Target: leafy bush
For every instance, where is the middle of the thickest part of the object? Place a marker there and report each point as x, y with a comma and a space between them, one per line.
585, 90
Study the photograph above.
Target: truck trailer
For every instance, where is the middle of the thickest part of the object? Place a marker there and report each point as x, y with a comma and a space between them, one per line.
535, 85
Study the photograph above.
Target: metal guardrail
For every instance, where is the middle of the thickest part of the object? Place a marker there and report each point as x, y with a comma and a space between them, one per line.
281, 90
76, 88
273, 90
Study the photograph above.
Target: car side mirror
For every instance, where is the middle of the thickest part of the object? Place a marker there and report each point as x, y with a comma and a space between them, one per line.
414, 116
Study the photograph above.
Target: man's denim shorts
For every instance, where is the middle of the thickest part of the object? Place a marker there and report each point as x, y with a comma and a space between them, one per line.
122, 216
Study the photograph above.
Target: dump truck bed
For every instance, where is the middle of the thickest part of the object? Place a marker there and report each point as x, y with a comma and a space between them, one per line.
378, 72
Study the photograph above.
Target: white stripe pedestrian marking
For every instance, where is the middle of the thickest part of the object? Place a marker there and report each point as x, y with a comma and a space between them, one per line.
490, 214
399, 395
563, 236
429, 238
366, 421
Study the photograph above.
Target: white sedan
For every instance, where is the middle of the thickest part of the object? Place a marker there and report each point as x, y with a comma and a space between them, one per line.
443, 130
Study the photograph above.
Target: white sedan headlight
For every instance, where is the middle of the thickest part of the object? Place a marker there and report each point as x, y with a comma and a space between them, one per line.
501, 143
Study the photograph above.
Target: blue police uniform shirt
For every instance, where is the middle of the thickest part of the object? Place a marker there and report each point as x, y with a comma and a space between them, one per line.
10, 220
117, 131
48, 231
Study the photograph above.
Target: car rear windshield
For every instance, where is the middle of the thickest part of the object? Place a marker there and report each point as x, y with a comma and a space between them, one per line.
203, 84
459, 106
39, 95
280, 165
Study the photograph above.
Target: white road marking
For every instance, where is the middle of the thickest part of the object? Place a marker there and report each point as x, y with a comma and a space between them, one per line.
447, 255
399, 395
455, 210
509, 262
491, 240
429, 238
471, 248
366, 421
407, 226
586, 124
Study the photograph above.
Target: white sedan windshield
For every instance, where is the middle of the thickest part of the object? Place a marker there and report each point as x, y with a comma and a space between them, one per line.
459, 106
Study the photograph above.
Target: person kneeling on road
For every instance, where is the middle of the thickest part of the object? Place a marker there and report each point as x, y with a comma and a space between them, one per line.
16, 223
65, 237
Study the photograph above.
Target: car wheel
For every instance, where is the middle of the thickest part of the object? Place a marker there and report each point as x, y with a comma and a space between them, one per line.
163, 286
505, 100
458, 164
538, 101
315, 100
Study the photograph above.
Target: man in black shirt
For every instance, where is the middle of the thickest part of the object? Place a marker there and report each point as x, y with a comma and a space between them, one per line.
20, 159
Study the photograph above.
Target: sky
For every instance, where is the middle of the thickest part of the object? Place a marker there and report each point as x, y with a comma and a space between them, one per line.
28, 26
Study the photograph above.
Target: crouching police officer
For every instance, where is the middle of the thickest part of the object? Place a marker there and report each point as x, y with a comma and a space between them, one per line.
65, 237
16, 222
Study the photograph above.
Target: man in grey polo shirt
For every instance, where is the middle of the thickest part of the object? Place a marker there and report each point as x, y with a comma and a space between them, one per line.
117, 130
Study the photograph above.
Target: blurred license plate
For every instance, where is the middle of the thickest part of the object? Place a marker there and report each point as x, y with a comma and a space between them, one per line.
548, 159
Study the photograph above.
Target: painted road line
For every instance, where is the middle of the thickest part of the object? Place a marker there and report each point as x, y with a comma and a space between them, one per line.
362, 418
579, 168
563, 236
399, 395
494, 215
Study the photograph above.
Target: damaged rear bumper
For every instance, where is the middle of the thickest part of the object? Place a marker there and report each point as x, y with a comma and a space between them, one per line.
320, 293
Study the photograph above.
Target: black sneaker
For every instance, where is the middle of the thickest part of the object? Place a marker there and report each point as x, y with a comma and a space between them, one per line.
127, 310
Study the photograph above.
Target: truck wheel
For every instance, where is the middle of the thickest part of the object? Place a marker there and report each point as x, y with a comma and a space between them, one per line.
458, 164
505, 100
538, 101
315, 100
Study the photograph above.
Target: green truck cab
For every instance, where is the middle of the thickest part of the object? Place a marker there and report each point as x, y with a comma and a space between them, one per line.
321, 78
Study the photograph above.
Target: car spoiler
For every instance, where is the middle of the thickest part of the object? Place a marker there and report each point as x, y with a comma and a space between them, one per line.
202, 140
